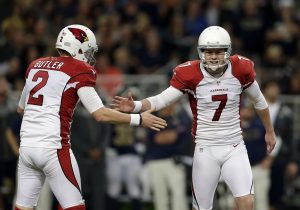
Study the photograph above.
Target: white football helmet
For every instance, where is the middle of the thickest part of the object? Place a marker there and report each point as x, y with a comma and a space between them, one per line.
79, 41
214, 37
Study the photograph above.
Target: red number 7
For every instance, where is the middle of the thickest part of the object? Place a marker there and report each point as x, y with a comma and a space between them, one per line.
223, 100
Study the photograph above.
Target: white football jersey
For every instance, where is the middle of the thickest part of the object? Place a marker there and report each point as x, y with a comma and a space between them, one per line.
215, 102
51, 97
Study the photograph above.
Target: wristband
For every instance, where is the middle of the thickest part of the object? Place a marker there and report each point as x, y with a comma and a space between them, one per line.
135, 119
141, 119
137, 106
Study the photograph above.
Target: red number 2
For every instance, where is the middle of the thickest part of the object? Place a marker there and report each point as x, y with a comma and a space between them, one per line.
40, 98
223, 100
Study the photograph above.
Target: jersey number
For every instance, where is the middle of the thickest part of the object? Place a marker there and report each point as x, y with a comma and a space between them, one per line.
40, 98
223, 100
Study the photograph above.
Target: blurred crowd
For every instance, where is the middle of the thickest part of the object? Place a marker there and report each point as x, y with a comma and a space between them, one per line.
151, 36
138, 37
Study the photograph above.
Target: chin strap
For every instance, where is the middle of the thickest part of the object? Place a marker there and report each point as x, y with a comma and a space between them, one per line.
219, 71
215, 67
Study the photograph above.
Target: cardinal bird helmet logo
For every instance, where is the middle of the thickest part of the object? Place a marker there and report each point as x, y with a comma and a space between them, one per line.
79, 34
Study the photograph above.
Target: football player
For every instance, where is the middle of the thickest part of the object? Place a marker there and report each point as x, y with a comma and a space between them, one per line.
214, 85
53, 87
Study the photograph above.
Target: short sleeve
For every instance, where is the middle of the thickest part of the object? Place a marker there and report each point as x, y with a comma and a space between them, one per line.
177, 81
186, 76
84, 80
243, 69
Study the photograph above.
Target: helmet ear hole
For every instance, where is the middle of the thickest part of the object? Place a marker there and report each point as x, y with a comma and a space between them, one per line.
80, 51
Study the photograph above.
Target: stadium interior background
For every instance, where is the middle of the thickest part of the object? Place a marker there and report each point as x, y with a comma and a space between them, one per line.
140, 42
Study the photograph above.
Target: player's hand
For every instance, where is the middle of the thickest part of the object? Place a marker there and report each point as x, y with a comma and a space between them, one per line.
151, 121
270, 139
123, 104
20, 110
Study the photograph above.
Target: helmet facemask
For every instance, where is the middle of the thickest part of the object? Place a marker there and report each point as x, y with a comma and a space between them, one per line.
90, 56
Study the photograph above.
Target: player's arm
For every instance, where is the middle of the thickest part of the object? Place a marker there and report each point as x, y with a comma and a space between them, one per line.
12, 141
157, 102
261, 107
21, 105
100, 113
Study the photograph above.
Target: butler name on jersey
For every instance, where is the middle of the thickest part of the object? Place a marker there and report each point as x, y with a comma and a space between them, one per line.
51, 97
53, 87
215, 100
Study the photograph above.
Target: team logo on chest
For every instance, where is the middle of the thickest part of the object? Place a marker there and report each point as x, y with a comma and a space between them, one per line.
218, 90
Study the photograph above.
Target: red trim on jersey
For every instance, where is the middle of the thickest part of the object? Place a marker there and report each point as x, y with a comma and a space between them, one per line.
59, 207
64, 158
243, 70
30, 66
187, 75
16, 208
186, 78
193, 105
81, 75
68, 103
194, 195
79, 207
